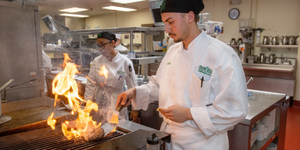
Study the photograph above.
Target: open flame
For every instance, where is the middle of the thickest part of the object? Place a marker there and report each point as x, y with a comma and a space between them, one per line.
64, 84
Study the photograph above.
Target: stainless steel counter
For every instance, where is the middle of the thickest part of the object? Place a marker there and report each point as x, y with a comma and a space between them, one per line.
259, 102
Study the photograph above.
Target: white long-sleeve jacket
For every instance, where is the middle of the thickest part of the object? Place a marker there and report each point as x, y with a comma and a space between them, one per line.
105, 91
178, 82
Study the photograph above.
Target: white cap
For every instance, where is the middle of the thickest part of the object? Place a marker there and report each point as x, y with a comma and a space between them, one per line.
118, 36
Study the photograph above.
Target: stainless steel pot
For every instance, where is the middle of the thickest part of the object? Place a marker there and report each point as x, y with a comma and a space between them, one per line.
262, 58
272, 58
275, 40
265, 40
291, 40
297, 40
285, 40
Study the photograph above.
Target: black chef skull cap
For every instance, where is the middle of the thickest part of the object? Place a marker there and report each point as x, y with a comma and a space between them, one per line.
182, 6
107, 35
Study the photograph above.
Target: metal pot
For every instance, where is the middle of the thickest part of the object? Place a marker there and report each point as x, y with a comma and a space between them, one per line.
297, 40
291, 40
262, 58
272, 58
275, 41
285, 40
265, 40
270, 40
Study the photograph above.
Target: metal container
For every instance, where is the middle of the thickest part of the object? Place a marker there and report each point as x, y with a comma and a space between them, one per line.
285, 40
272, 58
275, 41
291, 40
265, 40
297, 40
262, 58
233, 41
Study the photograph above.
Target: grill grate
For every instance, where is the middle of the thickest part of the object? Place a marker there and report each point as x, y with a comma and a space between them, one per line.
46, 138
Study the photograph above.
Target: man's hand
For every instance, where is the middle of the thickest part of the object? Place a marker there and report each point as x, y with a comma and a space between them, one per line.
127, 95
177, 113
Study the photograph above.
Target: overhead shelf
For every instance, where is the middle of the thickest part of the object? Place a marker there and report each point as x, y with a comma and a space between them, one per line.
277, 46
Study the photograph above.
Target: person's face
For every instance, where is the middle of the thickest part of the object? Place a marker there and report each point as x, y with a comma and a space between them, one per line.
106, 47
175, 25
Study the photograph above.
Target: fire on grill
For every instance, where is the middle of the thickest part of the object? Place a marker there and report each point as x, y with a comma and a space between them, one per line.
84, 126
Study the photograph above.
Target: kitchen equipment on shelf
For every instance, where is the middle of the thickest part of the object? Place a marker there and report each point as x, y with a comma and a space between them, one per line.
250, 59
270, 40
240, 41
297, 40
262, 58
233, 41
291, 40
275, 40
267, 60
255, 59
285, 40
265, 40
272, 58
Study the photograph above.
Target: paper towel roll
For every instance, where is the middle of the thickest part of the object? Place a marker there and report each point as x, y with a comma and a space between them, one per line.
271, 146
261, 127
267, 121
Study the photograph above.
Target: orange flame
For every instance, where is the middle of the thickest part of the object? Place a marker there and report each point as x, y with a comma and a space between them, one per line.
103, 72
114, 130
64, 84
51, 122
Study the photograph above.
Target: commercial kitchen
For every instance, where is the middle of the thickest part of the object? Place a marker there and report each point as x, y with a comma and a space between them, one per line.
33, 115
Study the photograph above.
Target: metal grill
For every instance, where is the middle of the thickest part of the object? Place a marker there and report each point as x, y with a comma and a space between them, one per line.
46, 138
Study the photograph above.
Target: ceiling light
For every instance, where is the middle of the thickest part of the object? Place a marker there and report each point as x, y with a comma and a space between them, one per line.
126, 1
118, 8
73, 9
74, 15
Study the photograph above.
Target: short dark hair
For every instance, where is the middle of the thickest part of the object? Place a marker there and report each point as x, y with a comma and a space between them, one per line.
196, 18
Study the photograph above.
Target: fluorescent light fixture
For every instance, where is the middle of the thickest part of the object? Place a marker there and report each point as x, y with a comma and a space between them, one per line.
126, 1
74, 15
73, 10
118, 8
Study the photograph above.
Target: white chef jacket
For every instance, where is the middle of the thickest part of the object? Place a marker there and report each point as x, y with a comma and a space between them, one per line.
178, 82
120, 47
120, 72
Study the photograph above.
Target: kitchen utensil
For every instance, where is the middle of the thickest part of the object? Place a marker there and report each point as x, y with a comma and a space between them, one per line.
285, 40
291, 40
297, 40
265, 40
267, 60
233, 41
272, 58
240, 41
270, 40
279, 40
262, 58
274, 40
255, 59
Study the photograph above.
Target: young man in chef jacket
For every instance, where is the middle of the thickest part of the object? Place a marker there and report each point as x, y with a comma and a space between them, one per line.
200, 83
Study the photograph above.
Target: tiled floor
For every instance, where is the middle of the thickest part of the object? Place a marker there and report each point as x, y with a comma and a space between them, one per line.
292, 138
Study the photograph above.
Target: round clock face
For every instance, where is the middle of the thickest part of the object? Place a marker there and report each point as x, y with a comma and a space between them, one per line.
234, 13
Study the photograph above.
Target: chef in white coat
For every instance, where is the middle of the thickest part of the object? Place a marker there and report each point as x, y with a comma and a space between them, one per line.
200, 83
119, 46
119, 68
